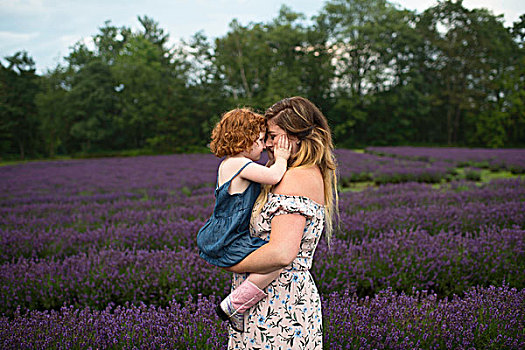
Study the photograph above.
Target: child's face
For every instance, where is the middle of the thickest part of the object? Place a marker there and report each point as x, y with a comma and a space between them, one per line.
258, 146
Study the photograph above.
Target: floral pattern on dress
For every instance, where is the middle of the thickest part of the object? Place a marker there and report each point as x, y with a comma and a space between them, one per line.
290, 317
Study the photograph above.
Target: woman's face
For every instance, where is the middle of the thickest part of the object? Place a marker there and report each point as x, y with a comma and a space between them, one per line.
273, 131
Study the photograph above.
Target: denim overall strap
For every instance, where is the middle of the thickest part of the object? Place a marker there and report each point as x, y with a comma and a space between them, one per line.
233, 177
239, 171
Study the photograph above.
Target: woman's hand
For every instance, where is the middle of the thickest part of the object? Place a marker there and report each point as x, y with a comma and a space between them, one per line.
282, 147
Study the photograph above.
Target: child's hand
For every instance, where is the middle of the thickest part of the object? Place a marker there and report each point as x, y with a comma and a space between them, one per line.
282, 148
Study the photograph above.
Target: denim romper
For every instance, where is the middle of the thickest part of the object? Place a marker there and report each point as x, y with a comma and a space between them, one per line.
225, 238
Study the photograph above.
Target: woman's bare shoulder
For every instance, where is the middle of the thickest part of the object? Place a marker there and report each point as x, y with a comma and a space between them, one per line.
306, 182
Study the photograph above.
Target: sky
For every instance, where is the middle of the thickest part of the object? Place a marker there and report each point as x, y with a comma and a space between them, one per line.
47, 29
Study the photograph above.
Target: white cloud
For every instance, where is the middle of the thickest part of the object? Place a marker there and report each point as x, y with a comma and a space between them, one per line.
65, 43
511, 9
68, 40
22, 7
17, 37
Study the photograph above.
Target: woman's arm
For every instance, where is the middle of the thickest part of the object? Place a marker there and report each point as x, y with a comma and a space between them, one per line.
281, 250
287, 229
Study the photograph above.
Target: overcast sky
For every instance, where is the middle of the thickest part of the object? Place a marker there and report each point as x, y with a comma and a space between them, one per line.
46, 29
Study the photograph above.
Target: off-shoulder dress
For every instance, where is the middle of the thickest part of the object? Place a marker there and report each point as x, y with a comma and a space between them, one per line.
290, 317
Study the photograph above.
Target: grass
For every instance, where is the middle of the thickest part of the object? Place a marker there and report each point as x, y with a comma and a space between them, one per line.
357, 186
485, 176
106, 154
16, 162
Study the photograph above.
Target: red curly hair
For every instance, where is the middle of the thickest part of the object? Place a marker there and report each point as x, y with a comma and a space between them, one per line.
236, 132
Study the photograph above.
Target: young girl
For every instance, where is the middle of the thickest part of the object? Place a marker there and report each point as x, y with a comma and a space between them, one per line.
225, 238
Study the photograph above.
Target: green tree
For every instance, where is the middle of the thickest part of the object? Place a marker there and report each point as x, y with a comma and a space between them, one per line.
128, 91
467, 51
159, 93
91, 107
300, 59
287, 43
140, 78
207, 96
242, 58
514, 84
18, 114
372, 44
51, 103
360, 31
262, 63
318, 71
92, 104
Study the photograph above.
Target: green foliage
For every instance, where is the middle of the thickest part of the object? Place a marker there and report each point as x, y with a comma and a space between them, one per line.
472, 175
345, 114
18, 114
471, 51
430, 177
51, 102
263, 63
92, 103
362, 32
382, 75
140, 76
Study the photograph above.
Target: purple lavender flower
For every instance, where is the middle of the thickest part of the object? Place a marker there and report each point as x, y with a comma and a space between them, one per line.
101, 253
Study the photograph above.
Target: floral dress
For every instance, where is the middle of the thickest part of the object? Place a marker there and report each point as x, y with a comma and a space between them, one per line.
290, 317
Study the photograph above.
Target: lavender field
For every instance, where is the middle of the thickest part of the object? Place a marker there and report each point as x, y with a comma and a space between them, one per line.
101, 253
495, 159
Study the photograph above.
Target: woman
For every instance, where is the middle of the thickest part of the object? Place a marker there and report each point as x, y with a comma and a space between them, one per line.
290, 216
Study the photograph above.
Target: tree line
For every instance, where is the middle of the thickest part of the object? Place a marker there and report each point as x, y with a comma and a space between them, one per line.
382, 75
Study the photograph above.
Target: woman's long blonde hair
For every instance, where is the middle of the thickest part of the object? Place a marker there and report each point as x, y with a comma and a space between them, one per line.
301, 118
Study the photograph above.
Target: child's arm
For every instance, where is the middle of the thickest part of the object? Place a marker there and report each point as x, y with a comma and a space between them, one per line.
273, 174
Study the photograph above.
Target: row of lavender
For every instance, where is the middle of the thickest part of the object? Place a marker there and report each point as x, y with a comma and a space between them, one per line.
494, 159
56, 228
485, 318
358, 167
446, 263
363, 216
104, 232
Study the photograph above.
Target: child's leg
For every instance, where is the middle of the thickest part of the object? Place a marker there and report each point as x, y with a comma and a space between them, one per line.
263, 280
247, 294
250, 292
